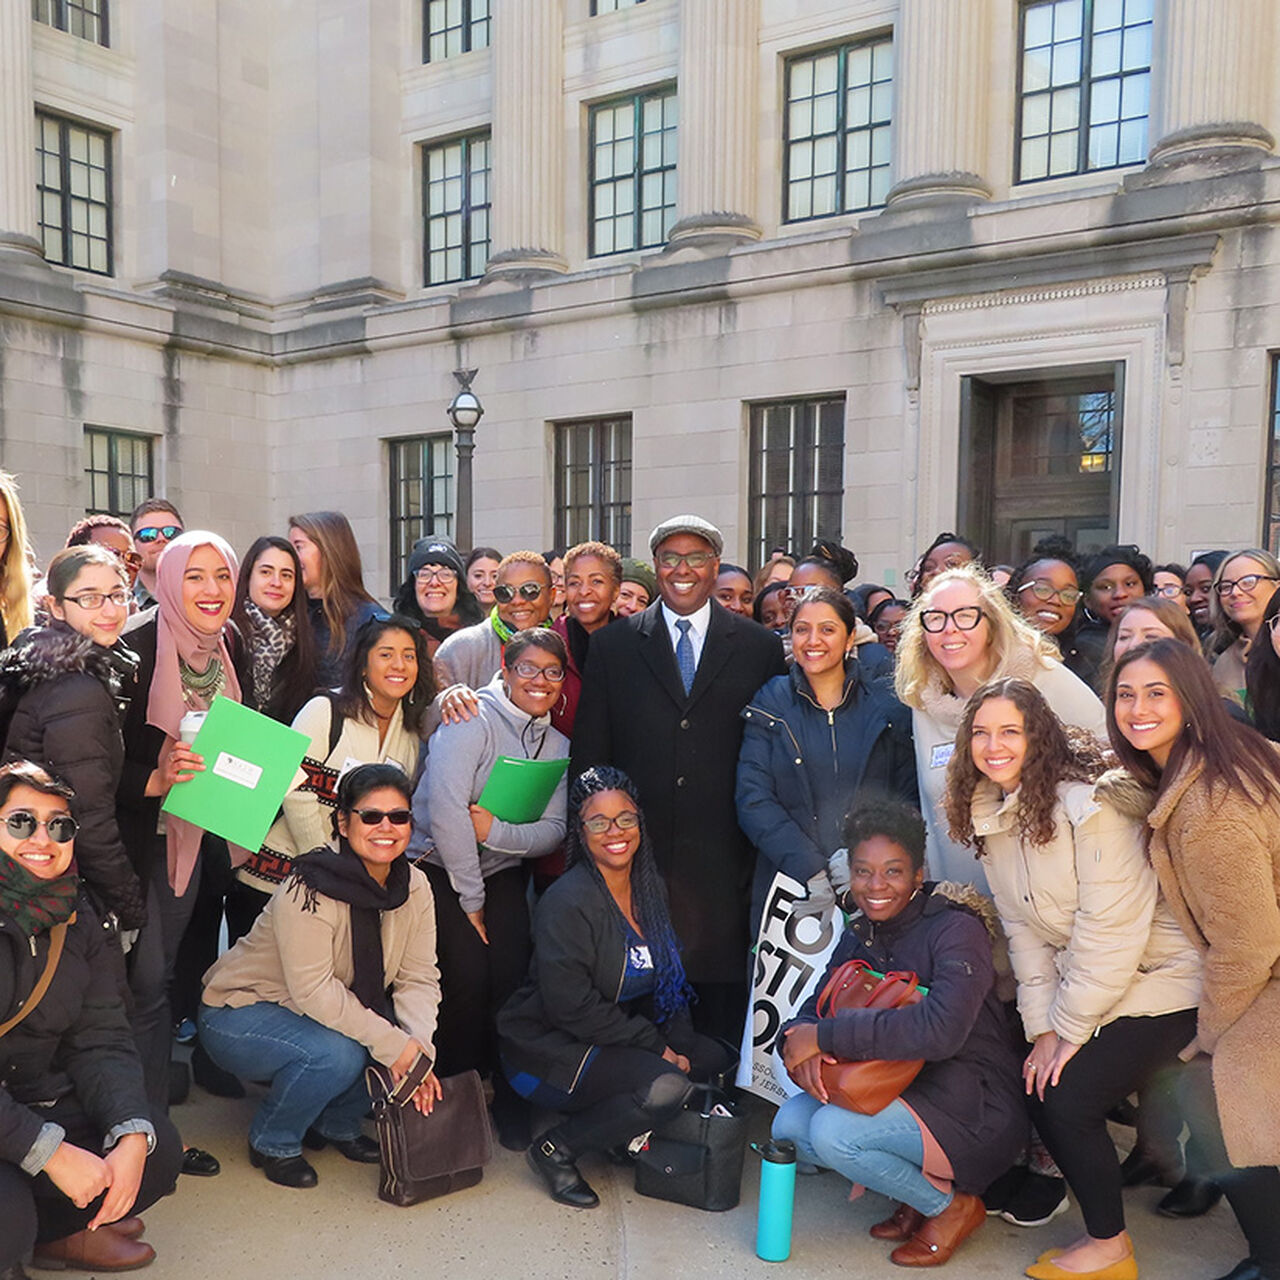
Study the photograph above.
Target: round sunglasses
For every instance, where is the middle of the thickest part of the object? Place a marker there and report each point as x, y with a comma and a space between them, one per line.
505, 593
22, 824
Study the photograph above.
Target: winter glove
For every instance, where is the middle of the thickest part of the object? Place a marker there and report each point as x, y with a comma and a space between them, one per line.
821, 897
838, 869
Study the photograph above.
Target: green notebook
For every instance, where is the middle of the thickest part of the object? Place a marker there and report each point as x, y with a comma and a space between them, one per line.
249, 763
520, 790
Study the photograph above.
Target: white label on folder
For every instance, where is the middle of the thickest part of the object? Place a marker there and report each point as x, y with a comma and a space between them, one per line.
234, 769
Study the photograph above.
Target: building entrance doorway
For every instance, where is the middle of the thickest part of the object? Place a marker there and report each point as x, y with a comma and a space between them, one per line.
1040, 457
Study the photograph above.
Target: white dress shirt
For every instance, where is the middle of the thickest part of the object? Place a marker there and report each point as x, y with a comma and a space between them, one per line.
697, 631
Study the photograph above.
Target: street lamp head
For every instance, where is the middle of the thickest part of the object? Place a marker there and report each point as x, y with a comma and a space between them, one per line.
465, 409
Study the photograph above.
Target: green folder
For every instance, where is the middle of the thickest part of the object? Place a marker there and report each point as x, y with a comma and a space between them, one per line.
519, 790
250, 762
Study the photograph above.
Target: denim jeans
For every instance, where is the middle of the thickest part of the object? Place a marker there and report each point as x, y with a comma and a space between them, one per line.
316, 1073
884, 1152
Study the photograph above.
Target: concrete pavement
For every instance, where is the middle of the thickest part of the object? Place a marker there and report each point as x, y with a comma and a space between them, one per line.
238, 1226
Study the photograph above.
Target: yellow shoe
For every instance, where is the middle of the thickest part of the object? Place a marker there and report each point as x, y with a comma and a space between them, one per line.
1046, 1269
1048, 1255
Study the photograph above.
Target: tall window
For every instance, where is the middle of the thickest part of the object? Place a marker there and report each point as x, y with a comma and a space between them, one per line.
1084, 86
450, 27
612, 6
84, 18
633, 172
455, 203
838, 145
120, 467
593, 482
797, 474
1271, 519
73, 182
421, 495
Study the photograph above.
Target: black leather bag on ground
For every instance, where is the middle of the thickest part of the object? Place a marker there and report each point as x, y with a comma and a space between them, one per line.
696, 1157
428, 1156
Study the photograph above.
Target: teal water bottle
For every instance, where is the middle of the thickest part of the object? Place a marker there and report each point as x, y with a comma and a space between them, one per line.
777, 1198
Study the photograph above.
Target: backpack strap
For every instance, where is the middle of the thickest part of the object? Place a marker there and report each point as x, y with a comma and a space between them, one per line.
57, 936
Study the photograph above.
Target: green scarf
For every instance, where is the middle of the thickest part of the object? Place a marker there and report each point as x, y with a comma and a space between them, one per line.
33, 904
504, 632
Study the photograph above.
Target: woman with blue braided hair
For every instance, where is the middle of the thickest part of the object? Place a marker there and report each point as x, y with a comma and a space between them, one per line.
601, 1027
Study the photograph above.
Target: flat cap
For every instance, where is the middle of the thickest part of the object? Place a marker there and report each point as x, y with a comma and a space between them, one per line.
696, 525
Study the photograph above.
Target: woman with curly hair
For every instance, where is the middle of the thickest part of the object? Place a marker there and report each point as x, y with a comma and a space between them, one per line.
1107, 980
601, 1027
960, 634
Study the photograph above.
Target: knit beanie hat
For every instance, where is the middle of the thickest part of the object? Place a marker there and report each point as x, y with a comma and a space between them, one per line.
638, 571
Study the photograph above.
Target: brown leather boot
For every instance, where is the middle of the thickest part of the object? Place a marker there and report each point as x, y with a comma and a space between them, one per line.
939, 1237
901, 1224
101, 1250
131, 1228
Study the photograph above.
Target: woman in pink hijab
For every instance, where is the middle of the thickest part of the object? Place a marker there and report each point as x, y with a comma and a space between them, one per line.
184, 663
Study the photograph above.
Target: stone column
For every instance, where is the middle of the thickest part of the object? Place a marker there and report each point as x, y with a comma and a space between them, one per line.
1211, 80
18, 227
528, 137
941, 50
719, 56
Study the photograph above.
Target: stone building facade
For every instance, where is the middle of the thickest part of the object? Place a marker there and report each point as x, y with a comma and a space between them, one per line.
872, 268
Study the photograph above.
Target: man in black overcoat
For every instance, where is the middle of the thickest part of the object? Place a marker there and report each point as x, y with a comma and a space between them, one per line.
661, 697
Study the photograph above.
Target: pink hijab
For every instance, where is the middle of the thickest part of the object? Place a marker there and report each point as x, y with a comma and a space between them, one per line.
177, 638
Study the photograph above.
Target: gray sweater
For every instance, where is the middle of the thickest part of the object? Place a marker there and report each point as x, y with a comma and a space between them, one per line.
471, 656
459, 759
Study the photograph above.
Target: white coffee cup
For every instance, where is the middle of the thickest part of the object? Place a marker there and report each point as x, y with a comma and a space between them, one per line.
189, 726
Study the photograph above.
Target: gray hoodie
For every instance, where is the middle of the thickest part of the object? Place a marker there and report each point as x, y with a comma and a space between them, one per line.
459, 758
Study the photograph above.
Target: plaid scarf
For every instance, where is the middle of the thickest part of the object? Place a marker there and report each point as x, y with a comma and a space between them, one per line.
269, 643
35, 905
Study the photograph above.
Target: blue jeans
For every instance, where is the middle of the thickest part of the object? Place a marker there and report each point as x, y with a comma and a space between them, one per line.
884, 1152
316, 1073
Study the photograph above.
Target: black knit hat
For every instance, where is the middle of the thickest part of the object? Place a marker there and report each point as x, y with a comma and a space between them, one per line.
437, 550
1124, 553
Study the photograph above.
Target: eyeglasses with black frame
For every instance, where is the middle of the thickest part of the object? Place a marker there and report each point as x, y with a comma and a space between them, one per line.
92, 601
1171, 590
22, 824
1043, 589
436, 573
627, 820
1248, 584
694, 559
531, 671
505, 593
966, 618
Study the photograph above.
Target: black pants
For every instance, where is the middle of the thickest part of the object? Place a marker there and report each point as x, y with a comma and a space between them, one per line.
1254, 1193
34, 1210
475, 979
720, 1009
1072, 1120
198, 948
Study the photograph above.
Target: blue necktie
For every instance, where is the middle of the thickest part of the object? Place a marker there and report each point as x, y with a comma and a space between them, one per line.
684, 654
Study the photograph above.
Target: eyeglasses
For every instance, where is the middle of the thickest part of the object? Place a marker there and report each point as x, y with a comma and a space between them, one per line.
694, 559
935, 620
1248, 584
1043, 589
1171, 591
92, 601
153, 533
505, 593
436, 574
22, 824
372, 817
627, 820
531, 671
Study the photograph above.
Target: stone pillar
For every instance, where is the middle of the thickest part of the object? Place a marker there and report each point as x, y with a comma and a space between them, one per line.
941, 50
528, 137
719, 56
1211, 80
18, 227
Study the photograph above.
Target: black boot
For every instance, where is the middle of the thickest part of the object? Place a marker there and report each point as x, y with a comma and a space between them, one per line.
211, 1077
1190, 1198
554, 1161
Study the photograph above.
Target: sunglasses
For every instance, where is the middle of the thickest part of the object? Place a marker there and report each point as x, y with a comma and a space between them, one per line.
152, 533
22, 824
372, 817
504, 593
627, 820
130, 559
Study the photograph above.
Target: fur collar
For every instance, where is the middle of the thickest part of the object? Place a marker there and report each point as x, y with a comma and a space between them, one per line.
1124, 793
42, 654
943, 705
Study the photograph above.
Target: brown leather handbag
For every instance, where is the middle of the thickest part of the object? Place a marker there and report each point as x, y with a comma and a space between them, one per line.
868, 1087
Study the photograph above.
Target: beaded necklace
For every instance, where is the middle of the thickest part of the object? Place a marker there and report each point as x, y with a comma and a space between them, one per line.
199, 688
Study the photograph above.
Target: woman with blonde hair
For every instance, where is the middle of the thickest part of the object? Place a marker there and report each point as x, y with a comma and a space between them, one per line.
1242, 589
15, 572
962, 633
334, 580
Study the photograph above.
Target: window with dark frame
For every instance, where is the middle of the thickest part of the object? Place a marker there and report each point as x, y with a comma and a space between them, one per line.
86, 19
120, 468
73, 186
421, 495
1271, 516
632, 178
451, 27
593, 482
455, 205
612, 6
1084, 86
838, 143
796, 484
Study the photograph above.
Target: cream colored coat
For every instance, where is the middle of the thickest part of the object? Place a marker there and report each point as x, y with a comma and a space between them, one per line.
1090, 938
1217, 856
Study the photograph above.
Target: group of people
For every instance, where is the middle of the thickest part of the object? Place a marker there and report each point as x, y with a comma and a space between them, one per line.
1040, 788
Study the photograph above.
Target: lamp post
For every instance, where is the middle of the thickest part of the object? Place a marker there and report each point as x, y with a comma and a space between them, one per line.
464, 411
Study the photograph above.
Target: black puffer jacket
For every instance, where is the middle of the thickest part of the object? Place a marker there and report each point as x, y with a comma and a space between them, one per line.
70, 697
76, 1041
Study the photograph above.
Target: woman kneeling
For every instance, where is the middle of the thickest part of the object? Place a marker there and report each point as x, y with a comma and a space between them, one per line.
302, 1000
601, 1027
961, 1121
